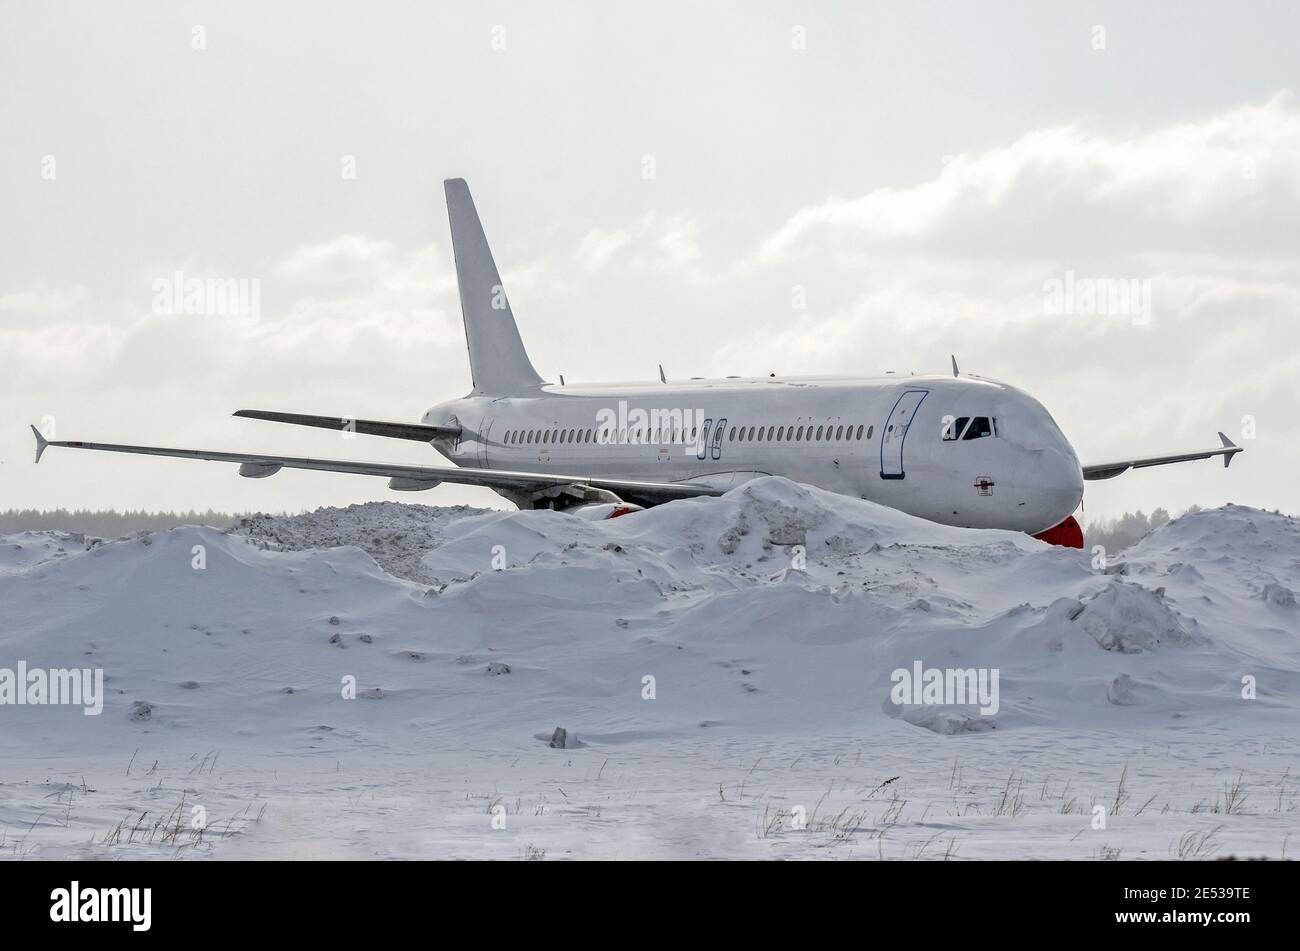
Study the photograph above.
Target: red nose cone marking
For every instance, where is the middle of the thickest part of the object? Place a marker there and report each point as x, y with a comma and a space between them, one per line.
1068, 534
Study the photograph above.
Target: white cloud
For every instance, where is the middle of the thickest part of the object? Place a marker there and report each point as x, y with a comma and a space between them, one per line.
1245, 160
598, 247
657, 243
42, 302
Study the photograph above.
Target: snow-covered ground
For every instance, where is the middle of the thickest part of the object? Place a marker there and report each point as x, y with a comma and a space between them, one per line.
722, 669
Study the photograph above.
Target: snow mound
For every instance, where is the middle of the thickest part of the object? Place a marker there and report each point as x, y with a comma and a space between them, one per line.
1280, 595
22, 550
1129, 618
701, 632
774, 603
396, 535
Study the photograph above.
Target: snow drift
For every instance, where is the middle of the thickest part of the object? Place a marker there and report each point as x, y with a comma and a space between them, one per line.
706, 632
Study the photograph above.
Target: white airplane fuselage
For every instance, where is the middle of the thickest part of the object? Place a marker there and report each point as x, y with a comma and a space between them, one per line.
881, 439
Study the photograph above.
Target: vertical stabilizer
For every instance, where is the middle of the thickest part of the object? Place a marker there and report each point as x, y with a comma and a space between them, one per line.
497, 359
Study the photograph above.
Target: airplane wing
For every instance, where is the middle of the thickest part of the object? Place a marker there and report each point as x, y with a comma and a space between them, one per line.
369, 427
256, 466
1108, 470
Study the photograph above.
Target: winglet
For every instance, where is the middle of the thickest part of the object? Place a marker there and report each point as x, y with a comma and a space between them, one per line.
1228, 444
41, 443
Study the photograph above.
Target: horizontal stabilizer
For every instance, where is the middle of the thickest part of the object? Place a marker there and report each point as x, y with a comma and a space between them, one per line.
368, 427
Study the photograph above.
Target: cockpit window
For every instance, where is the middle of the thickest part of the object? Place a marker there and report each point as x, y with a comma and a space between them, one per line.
967, 427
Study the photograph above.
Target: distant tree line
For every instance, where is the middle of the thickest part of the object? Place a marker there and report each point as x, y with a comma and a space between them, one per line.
1114, 533
1118, 533
106, 524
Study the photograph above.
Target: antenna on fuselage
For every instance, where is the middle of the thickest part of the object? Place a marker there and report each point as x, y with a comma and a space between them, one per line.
561, 379
954, 365
662, 378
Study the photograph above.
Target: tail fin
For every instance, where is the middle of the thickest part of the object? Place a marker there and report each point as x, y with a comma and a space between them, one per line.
498, 362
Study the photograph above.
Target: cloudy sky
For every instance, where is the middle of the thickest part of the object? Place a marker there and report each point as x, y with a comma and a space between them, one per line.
660, 183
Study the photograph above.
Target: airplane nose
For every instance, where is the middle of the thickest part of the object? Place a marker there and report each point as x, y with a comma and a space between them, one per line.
1052, 483
1062, 481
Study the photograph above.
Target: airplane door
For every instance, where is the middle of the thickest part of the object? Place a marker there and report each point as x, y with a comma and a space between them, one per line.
894, 433
702, 447
484, 428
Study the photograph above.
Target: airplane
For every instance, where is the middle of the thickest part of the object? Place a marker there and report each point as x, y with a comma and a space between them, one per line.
958, 449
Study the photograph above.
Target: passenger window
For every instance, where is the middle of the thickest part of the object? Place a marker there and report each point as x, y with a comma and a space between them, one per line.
780, 434
839, 432
870, 430
732, 437
819, 432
